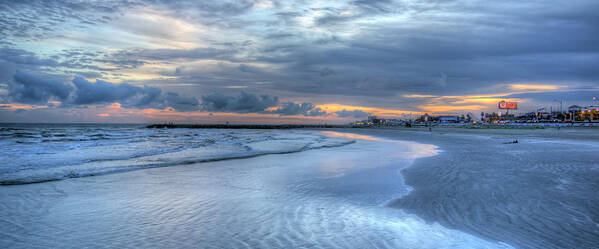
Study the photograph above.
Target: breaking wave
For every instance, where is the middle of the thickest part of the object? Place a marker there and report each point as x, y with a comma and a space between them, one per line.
46, 153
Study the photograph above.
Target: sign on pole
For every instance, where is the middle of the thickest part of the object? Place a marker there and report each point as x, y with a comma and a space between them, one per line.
508, 105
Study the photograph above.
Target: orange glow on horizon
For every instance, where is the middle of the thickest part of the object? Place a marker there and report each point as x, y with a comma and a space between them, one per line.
534, 87
485, 100
349, 135
115, 105
448, 108
373, 110
21, 106
458, 103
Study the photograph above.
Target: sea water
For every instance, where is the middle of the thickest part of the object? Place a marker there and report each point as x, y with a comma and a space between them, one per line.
37, 153
330, 197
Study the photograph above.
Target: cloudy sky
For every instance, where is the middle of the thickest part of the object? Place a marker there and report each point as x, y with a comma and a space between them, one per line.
261, 61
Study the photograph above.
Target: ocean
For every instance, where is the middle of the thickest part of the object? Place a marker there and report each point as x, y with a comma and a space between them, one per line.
44, 152
126, 186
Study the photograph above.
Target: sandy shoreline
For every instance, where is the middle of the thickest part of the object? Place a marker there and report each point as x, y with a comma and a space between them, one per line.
538, 193
477, 193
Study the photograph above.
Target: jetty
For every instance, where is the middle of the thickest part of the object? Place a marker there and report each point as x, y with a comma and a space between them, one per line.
245, 126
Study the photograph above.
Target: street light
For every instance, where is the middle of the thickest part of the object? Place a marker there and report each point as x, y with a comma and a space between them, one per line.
561, 102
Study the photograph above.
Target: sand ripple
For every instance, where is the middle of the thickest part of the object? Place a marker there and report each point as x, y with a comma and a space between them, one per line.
531, 195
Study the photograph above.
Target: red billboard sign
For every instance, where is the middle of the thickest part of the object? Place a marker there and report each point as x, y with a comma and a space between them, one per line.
508, 105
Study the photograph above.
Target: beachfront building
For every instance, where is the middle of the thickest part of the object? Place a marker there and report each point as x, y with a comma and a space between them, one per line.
579, 113
590, 113
574, 109
371, 119
448, 119
442, 119
425, 118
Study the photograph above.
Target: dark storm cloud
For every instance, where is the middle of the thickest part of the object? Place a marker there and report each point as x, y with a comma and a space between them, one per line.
317, 112
29, 89
354, 113
180, 102
244, 103
250, 103
149, 98
102, 92
305, 108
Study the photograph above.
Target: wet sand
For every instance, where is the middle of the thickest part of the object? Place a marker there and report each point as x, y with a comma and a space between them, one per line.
538, 193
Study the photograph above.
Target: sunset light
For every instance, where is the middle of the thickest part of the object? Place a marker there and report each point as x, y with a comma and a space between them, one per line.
269, 124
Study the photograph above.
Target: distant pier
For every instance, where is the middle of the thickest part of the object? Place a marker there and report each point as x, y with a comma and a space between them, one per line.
245, 126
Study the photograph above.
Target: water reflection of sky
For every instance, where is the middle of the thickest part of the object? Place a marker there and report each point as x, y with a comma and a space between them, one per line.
370, 152
350, 135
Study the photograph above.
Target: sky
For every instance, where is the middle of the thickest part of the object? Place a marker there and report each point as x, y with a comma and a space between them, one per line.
262, 61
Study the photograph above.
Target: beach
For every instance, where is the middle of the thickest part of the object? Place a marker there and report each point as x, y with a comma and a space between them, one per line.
537, 193
389, 188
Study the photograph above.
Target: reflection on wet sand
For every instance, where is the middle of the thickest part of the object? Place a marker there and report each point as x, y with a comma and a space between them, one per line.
350, 135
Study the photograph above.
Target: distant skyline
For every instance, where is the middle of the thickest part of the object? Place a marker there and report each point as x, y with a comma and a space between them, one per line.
299, 61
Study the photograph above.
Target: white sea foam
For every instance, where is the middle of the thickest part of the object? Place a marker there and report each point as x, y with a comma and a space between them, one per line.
27, 159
